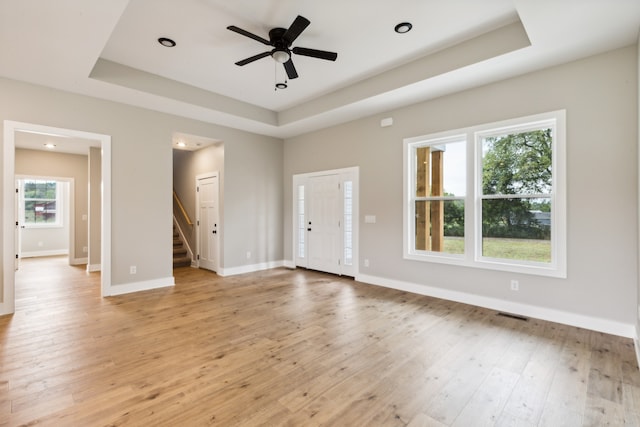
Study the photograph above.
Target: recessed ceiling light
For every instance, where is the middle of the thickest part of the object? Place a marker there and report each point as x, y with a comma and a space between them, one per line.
49, 146
403, 27
181, 144
166, 42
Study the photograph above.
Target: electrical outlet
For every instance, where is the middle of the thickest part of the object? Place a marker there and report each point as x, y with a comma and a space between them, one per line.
515, 286
366, 263
248, 255
85, 249
132, 269
639, 312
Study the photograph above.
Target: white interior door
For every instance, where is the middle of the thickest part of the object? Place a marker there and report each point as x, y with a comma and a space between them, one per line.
207, 222
323, 223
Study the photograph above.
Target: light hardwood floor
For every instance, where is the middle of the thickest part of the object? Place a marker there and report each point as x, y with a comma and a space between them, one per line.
295, 348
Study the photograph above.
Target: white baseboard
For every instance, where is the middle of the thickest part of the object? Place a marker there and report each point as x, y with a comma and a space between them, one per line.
289, 264
6, 308
572, 319
78, 261
93, 267
35, 254
249, 268
145, 285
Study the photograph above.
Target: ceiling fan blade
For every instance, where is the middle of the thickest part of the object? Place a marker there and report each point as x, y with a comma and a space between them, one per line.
291, 70
253, 58
248, 34
314, 53
297, 27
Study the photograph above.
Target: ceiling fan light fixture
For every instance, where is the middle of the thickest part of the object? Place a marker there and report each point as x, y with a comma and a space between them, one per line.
280, 56
281, 86
403, 27
166, 42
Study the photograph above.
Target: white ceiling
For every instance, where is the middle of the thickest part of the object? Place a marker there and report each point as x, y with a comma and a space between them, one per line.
57, 143
109, 49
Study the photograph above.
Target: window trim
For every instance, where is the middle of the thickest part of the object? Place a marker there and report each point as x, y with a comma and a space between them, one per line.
473, 198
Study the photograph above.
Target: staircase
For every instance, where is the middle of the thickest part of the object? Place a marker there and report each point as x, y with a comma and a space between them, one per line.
180, 257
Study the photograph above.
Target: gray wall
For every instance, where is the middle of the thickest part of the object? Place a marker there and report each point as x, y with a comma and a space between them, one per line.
250, 196
253, 203
141, 159
60, 165
600, 95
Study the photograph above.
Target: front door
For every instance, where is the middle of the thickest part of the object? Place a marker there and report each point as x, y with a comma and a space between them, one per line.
207, 222
323, 223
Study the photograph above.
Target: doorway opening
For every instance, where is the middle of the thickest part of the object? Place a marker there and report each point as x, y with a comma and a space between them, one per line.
12, 132
198, 185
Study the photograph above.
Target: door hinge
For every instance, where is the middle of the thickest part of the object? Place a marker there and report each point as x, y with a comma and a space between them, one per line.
198, 257
16, 256
197, 189
17, 191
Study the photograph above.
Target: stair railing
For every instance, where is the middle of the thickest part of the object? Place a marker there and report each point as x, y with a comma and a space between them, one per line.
181, 208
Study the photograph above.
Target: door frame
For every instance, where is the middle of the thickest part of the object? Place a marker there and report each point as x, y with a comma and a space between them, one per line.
200, 177
7, 305
345, 174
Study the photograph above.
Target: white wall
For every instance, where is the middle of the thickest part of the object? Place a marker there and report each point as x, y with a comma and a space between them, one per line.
141, 157
600, 96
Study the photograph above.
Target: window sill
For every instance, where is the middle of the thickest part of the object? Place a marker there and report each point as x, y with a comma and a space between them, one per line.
535, 269
41, 227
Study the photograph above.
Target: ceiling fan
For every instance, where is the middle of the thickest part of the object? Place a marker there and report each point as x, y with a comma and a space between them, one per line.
281, 39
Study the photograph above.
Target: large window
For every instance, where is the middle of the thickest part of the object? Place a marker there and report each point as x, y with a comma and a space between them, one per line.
41, 203
489, 196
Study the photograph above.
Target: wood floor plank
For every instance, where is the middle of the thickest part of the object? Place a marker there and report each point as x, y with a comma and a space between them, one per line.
294, 348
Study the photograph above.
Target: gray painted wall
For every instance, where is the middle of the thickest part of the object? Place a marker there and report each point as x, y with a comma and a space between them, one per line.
250, 197
600, 95
142, 178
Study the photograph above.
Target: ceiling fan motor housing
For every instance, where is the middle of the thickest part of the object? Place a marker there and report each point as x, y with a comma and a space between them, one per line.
276, 36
